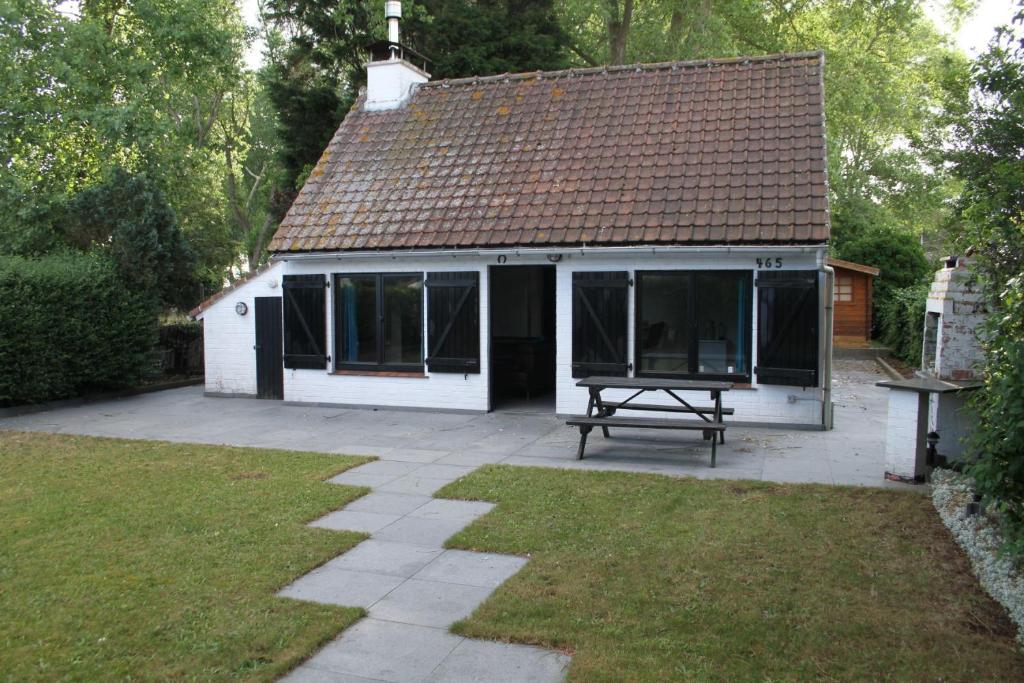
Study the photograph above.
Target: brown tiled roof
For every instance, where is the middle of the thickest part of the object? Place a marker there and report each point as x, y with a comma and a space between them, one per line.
713, 152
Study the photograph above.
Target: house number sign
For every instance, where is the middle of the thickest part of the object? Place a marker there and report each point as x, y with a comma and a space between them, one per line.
770, 262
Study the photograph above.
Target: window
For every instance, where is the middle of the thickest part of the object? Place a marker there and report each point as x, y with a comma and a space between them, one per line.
600, 314
787, 328
378, 321
844, 288
305, 321
693, 323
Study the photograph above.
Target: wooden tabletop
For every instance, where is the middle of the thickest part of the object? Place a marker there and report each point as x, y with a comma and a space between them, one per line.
654, 383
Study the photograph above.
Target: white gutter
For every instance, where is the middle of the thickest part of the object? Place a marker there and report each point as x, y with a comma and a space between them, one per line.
825, 341
545, 251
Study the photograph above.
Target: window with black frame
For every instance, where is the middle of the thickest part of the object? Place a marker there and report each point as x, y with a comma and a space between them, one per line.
378, 321
694, 324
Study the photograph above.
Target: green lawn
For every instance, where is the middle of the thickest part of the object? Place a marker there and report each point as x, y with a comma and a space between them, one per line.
647, 578
151, 560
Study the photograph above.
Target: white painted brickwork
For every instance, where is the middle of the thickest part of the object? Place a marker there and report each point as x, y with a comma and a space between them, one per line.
231, 361
228, 338
901, 442
957, 300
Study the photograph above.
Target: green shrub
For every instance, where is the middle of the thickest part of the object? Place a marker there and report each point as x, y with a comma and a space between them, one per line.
863, 233
69, 325
998, 442
901, 319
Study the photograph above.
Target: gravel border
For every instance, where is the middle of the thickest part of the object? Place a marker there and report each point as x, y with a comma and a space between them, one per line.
981, 539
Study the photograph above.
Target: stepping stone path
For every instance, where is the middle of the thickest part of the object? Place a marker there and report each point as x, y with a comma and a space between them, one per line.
412, 588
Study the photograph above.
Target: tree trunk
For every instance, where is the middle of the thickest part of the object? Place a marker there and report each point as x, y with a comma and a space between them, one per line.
619, 25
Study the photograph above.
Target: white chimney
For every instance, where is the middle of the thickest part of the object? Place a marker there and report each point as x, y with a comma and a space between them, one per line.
393, 13
390, 79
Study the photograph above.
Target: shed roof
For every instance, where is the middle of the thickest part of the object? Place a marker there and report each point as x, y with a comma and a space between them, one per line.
728, 151
850, 265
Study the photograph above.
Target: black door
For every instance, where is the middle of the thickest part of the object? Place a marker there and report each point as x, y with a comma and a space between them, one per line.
269, 351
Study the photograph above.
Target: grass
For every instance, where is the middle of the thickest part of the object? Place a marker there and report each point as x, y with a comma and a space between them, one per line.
647, 578
154, 561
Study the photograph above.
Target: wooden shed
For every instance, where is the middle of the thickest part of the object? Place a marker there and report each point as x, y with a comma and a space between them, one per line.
852, 299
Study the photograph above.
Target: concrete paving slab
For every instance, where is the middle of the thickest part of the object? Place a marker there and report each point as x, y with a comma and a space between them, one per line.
473, 661
464, 510
353, 520
429, 603
471, 459
386, 557
332, 586
370, 480
447, 472
413, 484
312, 674
387, 468
420, 455
360, 449
469, 439
386, 651
487, 570
388, 503
431, 532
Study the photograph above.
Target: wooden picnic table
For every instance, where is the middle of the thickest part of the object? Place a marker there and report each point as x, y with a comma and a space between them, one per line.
710, 422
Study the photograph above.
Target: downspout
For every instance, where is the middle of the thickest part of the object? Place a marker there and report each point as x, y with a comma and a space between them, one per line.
825, 340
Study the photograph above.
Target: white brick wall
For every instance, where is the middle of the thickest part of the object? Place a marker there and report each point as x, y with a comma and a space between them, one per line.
231, 364
228, 338
957, 299
904, 450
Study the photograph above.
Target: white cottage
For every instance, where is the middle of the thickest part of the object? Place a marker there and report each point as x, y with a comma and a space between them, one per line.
466, 242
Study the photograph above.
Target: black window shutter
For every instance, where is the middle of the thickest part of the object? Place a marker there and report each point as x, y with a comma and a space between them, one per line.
305, 322
453, 322
600, 319
787, 328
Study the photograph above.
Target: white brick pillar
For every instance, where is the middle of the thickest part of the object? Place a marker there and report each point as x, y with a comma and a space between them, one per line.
905, 445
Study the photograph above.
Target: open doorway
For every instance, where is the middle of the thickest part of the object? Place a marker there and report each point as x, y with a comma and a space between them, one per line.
522, 305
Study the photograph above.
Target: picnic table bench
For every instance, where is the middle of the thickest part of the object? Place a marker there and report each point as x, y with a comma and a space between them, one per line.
601, 413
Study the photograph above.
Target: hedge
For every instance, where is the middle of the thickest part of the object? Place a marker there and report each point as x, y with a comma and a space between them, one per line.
997, 444
68, 326
901, 319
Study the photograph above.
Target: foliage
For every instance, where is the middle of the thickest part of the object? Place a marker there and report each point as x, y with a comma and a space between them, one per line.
652, 578
998, 470
989, 158
901, 317
127, 219
862, 232
483, 38
155, 561
70, 326
102, 84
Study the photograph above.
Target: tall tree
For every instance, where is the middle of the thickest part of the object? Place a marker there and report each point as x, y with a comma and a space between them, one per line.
134, 84
486, 37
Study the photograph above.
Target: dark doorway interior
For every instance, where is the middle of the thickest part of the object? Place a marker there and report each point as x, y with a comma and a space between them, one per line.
269, 348
522, 304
